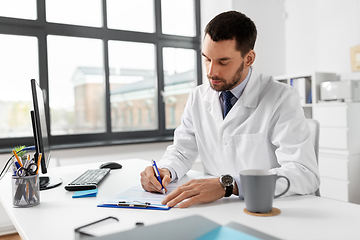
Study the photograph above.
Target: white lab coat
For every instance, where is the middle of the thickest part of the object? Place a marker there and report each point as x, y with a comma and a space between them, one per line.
265, 129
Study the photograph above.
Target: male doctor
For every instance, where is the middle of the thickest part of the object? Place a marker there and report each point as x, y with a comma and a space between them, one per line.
240, 120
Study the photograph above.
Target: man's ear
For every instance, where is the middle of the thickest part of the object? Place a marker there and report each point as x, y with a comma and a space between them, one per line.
249, 58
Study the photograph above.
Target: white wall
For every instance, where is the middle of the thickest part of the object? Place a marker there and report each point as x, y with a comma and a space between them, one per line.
319, 34
209, 9
268, 16
303, 36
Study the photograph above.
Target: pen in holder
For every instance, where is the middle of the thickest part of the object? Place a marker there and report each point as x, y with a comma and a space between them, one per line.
26, 191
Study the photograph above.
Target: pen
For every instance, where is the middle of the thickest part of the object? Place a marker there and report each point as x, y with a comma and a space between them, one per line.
17, 158
27, 161
157, 174
17, 166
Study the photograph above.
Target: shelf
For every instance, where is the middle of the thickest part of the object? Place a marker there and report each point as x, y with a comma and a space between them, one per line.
308, 85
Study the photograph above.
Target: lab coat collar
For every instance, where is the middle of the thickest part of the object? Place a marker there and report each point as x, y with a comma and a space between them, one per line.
250, 96
212, 98
249, 99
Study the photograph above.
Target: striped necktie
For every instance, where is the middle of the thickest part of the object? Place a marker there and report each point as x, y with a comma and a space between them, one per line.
227, 99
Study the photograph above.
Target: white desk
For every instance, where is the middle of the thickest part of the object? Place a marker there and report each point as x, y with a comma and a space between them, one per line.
302, 217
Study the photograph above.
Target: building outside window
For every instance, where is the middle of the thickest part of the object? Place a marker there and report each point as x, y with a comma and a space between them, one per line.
18, 61
121, 78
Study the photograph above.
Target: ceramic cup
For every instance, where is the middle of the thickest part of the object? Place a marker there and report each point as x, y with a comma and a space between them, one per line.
258, 187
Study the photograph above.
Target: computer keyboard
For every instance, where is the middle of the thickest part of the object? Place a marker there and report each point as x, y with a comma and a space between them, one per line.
88, 180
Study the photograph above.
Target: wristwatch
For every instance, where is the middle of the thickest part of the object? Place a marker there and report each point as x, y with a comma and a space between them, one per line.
227, 182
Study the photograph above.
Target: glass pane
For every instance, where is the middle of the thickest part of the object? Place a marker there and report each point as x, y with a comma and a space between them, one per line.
19, 64
25, 9
76, 85
134, 15
180, 78
132, 86
77, 12
178, 17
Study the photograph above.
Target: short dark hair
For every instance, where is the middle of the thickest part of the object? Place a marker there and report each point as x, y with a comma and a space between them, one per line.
233, 25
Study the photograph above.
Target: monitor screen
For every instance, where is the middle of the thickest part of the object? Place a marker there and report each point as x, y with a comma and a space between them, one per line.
41, 138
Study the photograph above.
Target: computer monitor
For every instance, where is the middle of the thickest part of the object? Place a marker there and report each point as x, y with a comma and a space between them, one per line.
41, 139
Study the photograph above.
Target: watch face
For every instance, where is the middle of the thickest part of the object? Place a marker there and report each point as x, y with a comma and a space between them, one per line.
226, 180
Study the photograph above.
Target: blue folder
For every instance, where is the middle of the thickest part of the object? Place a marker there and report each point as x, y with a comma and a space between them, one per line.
85, 193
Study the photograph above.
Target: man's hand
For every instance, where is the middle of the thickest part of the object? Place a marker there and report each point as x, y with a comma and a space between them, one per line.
195, 191
150, 183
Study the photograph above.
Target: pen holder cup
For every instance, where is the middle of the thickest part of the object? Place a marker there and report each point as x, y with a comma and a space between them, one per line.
25, 190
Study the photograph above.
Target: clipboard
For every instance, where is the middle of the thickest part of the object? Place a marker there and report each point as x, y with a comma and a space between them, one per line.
134, 205
137, 198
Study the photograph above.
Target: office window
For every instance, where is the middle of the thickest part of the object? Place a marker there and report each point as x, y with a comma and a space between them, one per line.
149, 115
180, 78
172, 115
178, 17
19, 63
25, 9
132, 81
134, 15
130, 116
76, 85
113, 71
77, 12
140, 117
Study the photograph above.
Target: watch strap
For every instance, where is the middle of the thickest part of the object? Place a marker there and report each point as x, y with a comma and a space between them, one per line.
229, 190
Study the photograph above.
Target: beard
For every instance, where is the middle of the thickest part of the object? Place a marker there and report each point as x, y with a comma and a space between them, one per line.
226, 86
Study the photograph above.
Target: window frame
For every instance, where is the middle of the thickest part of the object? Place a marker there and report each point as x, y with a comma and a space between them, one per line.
40, 29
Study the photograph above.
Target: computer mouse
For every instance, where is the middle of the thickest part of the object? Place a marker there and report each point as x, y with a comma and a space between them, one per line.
111, 165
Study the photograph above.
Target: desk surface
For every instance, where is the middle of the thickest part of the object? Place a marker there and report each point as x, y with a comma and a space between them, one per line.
302, 217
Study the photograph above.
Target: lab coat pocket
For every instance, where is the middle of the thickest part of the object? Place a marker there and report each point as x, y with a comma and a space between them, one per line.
252, 151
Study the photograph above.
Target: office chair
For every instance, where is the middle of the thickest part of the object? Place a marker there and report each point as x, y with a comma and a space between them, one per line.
315, 132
